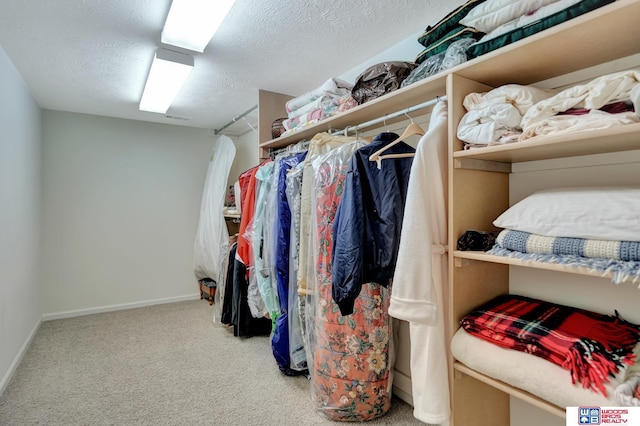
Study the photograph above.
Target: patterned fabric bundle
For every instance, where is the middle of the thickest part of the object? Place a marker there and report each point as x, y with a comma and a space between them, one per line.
592, 346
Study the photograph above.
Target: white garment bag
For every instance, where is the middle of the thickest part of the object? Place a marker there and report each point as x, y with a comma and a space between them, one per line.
212, 237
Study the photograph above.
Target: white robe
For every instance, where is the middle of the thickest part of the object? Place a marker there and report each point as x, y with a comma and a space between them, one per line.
420, 280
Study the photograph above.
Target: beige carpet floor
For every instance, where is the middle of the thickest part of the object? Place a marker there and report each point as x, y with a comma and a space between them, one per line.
158, 365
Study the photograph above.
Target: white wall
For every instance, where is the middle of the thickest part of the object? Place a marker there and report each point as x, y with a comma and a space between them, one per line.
406, 50
20, 218
247, 155
121, 206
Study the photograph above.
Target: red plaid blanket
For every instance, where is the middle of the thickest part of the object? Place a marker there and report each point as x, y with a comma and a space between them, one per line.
591, 346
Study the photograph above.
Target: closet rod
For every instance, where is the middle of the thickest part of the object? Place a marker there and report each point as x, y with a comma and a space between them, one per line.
391, 116
234, 119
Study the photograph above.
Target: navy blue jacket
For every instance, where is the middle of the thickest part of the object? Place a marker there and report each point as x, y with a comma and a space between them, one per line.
366, 233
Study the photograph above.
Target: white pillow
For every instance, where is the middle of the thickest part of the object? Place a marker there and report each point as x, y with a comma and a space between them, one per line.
602, 213
489, 15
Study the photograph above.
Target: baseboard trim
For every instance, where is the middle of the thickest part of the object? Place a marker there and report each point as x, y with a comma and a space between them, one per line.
16, 362
402, 387
119, 307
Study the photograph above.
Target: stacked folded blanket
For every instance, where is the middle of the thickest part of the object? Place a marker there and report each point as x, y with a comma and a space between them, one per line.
593, 347
514, 113
526, 242
620, 258
331, 97
494, 117
596, 97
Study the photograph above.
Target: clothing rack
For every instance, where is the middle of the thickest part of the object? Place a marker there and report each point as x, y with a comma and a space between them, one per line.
370, 123
234, 119
274, 152
391, 116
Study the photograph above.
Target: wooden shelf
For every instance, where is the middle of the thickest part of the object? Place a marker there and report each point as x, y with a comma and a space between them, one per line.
398, 100
515, 392
621, 138
484, 257
607, 33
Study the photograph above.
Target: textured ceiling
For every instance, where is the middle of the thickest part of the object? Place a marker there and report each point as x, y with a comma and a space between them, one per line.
92, 56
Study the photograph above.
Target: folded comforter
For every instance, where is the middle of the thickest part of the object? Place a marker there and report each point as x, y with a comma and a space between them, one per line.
565, 124
606, 89
592, 346
493, 114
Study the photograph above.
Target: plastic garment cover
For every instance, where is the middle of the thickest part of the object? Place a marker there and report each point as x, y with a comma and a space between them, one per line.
254, 298
380, 79
455, 54
219, 295
263, 276
212, 237
352, 363
368, 220
280, 337
297, 351
320, 144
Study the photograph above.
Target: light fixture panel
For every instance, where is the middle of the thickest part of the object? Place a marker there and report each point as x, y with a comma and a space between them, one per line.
191, 24
169, 71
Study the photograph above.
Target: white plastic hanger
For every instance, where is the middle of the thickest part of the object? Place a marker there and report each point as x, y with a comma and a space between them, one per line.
412, 129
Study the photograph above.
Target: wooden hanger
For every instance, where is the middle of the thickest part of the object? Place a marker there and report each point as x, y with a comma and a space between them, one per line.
412, 129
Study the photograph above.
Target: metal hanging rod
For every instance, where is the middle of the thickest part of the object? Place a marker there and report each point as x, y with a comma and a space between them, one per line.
234, 119
391, 116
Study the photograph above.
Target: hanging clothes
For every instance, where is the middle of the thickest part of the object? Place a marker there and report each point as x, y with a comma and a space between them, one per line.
244, 324
297, 350
212, 237
244, 253
319, 145
369, 220
351, 376
420, 280
226, 295
266, 287
280, 337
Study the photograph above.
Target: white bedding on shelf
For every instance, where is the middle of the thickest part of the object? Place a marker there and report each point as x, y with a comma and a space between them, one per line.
529, 372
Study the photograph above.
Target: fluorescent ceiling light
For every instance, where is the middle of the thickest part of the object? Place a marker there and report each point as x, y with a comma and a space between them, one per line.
192, 23
168, 72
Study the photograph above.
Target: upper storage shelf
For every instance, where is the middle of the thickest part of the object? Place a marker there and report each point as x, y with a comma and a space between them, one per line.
621, 138
607, 33
398, 100
603, 35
